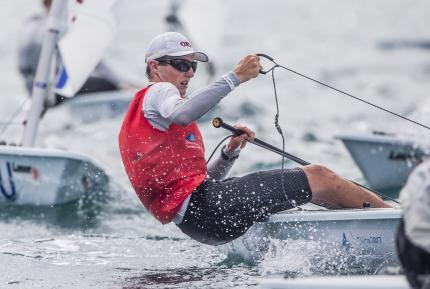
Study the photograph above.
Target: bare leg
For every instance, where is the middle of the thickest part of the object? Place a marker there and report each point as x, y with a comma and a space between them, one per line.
332, 191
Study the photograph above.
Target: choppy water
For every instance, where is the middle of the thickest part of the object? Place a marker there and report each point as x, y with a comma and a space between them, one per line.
374, 49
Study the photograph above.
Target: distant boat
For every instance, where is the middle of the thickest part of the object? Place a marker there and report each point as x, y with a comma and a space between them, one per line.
385, 160
39, 176
92, 107
44, 177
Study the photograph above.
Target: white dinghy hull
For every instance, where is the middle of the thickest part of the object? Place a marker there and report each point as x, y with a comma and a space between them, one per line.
44, 177
351, 231
338, 282
385, 161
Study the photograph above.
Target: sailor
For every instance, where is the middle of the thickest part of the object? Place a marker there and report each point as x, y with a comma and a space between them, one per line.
163, 154
413, 235
30, 45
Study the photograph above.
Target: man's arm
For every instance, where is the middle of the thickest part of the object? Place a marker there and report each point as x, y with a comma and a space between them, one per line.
163, 104
191, 108
162, 111
219, 168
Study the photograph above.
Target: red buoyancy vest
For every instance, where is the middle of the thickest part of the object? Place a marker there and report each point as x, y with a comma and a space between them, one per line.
163, 167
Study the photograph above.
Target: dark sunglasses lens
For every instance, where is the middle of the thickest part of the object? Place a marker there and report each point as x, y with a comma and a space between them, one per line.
183, 65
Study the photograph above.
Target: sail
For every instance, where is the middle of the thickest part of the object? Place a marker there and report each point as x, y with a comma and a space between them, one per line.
91, 30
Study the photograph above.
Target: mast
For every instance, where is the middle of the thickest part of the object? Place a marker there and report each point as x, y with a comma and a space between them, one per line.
41, 83
173, 22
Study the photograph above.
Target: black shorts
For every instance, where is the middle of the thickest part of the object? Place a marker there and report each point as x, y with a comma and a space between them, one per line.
221, 211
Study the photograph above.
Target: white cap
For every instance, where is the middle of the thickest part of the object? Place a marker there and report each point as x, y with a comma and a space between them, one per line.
172, 44
415, 202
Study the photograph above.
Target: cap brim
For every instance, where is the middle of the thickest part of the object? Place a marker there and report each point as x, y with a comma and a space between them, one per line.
199, 56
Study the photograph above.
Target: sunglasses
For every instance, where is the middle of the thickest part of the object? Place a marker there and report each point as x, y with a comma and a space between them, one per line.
180, 64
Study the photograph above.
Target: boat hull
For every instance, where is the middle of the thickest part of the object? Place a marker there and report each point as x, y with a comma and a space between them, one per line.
385, 161
338, 282
30, 176
351, 232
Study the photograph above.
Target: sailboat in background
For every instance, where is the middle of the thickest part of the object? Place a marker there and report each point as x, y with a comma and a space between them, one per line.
40, 176
385, 160
81, 50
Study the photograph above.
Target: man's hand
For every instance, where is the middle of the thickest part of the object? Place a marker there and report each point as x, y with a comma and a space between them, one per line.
240, 140
248, 68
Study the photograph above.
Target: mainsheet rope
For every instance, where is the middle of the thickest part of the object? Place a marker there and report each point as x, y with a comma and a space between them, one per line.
276, 65
278, 128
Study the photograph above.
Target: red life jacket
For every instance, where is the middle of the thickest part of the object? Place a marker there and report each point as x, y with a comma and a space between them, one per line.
163, 167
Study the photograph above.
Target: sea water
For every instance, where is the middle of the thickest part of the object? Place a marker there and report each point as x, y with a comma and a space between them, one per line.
374, 49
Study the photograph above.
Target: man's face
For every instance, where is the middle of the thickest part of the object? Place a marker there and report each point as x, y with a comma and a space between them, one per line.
168, 73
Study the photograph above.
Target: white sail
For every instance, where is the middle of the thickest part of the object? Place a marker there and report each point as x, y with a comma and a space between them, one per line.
82, 47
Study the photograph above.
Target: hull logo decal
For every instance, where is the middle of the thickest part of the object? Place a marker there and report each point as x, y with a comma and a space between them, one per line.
12, 194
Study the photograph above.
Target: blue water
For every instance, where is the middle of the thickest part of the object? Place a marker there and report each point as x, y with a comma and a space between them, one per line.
375, 49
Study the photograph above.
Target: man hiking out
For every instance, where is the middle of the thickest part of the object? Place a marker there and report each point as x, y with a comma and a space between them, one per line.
163, 154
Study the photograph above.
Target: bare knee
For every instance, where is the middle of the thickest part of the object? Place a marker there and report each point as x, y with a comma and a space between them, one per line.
324, 184
321, 179
316, 169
